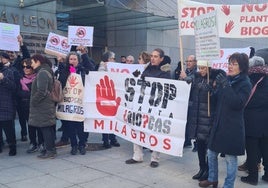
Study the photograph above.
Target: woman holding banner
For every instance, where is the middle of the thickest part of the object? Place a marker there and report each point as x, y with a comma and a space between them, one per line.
72, 77
228, 132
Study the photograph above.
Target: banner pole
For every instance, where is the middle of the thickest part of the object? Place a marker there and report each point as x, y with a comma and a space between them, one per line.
208, 92
181, 52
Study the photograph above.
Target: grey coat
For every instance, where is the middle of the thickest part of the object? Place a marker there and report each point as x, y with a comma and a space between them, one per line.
42, 108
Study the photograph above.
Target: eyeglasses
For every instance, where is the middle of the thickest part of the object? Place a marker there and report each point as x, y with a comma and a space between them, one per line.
189, 61
233, 64
27, 67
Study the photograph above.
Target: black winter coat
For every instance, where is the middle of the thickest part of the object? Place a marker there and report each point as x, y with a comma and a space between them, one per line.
256, 112
82, 68
7, 90
228, 130
156, 72
199, 122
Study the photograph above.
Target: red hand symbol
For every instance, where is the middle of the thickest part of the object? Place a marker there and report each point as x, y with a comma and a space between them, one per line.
229, 26
225, 9
107, 103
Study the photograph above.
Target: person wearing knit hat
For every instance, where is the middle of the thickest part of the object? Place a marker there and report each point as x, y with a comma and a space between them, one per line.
255, 117
204, 63
199, 120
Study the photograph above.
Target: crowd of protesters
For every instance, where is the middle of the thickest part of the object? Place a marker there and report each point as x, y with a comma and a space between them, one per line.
227, 112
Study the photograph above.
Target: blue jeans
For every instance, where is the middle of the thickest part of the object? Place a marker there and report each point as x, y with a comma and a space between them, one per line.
231, 163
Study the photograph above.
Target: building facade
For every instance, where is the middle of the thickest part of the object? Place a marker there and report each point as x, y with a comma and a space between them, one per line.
126, 27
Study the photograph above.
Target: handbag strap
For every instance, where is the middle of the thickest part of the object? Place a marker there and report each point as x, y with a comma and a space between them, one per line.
253, 90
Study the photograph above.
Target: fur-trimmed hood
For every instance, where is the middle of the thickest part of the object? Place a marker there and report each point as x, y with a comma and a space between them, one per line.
258, 70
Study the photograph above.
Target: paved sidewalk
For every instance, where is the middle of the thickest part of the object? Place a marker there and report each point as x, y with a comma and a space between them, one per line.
102, 169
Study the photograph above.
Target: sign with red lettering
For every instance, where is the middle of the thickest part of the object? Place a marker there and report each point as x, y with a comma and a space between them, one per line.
236, 21
71, 108
225, 53
150, 112
124, 68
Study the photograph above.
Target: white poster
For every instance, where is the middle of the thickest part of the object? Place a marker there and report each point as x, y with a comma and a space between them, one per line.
8, 37
150, 112
71, 108
80, 35
57, 45
207, 41
225, 53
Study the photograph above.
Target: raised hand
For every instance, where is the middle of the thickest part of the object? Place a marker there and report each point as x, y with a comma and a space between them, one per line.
107, 103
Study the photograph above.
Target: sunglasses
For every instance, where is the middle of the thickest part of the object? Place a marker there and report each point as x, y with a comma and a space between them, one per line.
27, 67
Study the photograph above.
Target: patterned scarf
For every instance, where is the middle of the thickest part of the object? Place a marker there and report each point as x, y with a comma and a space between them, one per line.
26, 80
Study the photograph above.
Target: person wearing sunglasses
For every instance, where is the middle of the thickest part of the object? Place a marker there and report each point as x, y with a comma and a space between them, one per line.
24, 104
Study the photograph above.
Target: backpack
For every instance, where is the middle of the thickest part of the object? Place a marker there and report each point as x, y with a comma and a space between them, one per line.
56, 93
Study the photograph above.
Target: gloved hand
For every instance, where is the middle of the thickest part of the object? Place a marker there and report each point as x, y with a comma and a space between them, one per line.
204, 86
136, 73
221, 80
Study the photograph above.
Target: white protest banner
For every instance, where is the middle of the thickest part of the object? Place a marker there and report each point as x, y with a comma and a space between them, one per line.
71, 108
57, 45
124, 68
8, 37
80, 35
225, 53
150, 112
207, 41
236, 21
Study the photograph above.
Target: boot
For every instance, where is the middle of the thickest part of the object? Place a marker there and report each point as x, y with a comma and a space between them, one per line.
1, 149
195, 147
82, 150
12, 150
74, 150
199, 174
207, 183
204, 176
249, 180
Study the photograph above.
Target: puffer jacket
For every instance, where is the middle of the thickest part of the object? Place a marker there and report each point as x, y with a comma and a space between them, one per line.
199, 120
42, 108
161, 71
